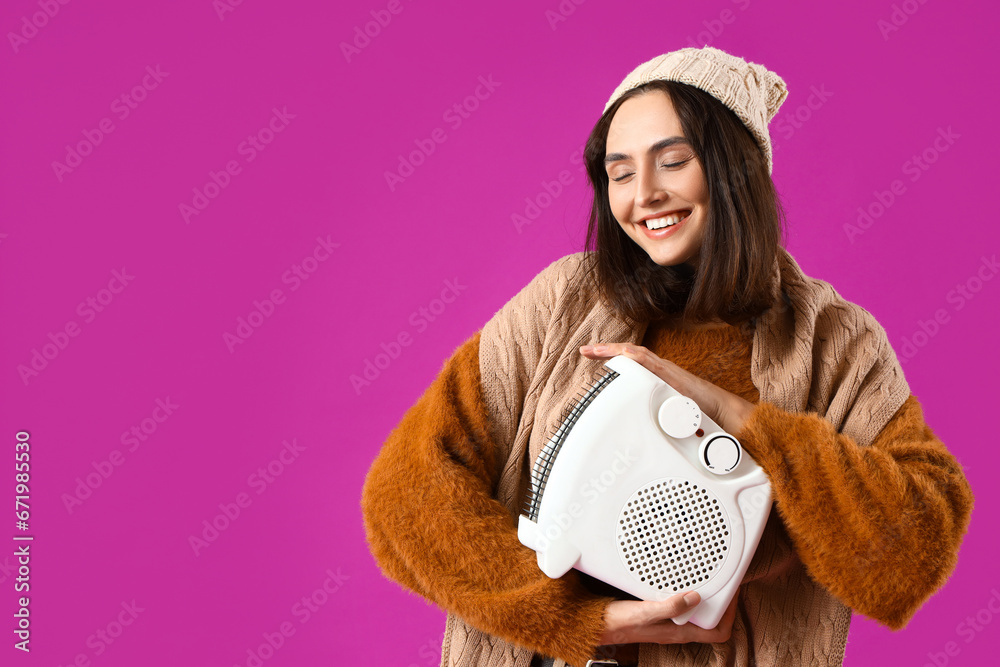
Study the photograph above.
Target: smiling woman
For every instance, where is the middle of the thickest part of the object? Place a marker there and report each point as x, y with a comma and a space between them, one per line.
685, 273
665, 148
667, 176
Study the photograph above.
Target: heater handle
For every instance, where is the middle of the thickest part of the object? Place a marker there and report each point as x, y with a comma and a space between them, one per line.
558, 558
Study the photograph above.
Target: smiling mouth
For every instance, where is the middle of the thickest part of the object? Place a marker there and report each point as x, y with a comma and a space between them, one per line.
666, 220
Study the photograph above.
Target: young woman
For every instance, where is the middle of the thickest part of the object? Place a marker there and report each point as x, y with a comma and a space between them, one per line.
686, 274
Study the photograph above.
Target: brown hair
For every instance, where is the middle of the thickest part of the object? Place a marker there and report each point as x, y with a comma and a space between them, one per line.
743, 233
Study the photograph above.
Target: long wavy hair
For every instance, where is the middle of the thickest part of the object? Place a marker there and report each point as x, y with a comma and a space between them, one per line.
745, 225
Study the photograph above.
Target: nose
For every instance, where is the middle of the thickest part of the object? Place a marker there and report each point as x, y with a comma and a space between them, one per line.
648, 190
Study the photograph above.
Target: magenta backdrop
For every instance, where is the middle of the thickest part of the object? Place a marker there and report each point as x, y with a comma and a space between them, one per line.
219, 219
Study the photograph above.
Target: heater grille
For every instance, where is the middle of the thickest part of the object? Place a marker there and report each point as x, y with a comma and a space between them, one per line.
543, 464
673, 535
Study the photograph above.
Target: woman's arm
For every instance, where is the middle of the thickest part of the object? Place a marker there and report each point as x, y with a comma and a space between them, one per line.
434, 526
878, 526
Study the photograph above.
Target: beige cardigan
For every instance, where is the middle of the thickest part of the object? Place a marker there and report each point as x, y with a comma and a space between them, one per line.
875, 504
813, 352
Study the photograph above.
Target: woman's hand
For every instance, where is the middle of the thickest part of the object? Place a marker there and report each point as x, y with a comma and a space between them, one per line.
628, 622
725, 408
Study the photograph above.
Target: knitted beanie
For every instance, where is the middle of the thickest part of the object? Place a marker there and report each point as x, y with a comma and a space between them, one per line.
752, 91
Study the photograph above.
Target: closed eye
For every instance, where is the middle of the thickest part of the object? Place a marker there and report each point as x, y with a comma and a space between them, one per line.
668, 166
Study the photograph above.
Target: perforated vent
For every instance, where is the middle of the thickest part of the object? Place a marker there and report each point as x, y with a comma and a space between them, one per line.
673, 535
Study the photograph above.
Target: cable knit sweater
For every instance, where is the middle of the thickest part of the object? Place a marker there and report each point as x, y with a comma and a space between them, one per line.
870, 505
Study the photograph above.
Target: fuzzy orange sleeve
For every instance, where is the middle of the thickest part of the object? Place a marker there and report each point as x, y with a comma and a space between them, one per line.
878, 526
433, 524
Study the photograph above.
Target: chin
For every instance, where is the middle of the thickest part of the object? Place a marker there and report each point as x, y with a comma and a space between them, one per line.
669, 261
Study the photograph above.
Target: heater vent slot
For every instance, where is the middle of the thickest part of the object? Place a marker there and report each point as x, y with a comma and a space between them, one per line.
543, 464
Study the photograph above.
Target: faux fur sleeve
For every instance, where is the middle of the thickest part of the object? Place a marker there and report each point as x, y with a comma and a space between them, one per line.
879, 526
434, 526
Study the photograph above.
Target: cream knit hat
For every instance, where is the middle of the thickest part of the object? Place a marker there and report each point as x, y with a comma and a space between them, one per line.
752, 91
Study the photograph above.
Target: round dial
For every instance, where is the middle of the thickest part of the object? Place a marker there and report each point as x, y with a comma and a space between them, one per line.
720, 453
679, 417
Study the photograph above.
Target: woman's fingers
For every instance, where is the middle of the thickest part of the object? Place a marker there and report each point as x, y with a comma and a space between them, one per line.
670, 608
659, 627
702, 392
726, 409
630, 622
638, 621
666, 370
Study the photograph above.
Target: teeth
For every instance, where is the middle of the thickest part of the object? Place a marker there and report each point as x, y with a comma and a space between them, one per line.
666, 221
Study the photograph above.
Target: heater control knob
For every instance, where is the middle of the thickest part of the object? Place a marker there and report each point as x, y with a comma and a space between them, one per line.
679, 416
720, 453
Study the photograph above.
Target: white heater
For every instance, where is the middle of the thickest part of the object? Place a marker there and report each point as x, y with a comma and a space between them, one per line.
640, 489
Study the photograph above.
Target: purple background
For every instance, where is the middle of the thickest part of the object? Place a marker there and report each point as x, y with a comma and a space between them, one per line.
866, 95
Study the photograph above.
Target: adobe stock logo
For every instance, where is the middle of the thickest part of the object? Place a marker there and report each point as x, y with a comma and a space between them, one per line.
105, 468
259, 481
38, 20
959, 297
547, 193
223, 7
715, 27
915, 168
421, 320
122, 106
264, 310
362, 39
105, 636
455, 116
899, 16
973, 625
303, 610
249, 148
88, 310
563, 11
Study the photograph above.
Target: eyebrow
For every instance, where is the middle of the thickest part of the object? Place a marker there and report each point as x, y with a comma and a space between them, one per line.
655, 148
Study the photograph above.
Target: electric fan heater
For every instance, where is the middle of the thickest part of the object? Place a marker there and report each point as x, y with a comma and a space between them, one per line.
640, 489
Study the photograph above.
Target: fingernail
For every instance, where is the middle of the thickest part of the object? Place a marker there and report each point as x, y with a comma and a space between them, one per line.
600, 348
691, 598
587, 348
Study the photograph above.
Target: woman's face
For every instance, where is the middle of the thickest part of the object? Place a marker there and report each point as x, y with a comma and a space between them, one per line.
653, 173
